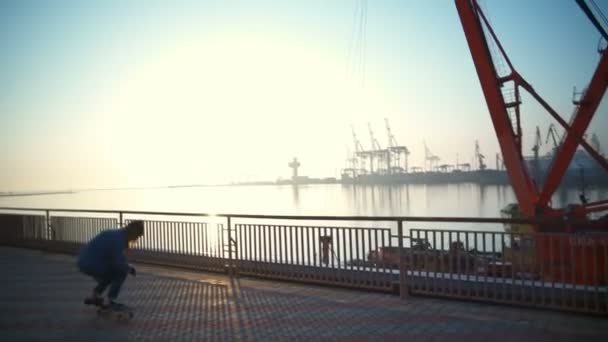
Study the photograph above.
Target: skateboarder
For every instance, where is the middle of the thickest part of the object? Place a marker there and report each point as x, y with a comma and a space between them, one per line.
103, 258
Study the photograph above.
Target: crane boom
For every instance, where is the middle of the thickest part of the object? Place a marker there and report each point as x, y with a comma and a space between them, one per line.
532, 199
523, 186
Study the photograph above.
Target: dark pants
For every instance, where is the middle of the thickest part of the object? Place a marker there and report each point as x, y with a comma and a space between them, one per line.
115, 278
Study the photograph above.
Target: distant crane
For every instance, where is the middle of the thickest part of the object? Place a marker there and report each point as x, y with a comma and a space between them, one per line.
397, 150
499, 162
551, 132
595, 142
375, 151
480, 157
538, 141
429, 157
359, 152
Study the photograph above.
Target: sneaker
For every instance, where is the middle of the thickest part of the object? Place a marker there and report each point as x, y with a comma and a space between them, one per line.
116, 305
97, 301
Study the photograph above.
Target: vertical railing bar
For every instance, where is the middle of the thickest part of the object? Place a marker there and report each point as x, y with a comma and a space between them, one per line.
256, 246
239, 245
277, 243
82, 230
573, 274
173, 228
343, 256
154, 236
168, 232
444, 288
221, 242
147, 235
458, 265
450, 261
280, 242
352, 256
293, 248
78, 230
250, 243
366, 252
85, 230
285, 248
540, 239
192, 238
467, 288
520, 262
358, 248
436, 268
581, 249
476, 264
181, 228
159, 242
425, 257
268, 248
513, 267
552, 271
309, 248
161, 233
73, 231
203, 237
403, 278
263, 246
564, 292
300, 240
387, 278
176, 244
376, 248
595, 275
292, 251
605, 270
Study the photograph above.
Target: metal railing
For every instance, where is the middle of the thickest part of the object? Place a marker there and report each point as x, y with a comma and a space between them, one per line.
553, 270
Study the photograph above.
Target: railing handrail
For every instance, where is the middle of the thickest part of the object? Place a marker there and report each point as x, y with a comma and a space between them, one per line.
321, 217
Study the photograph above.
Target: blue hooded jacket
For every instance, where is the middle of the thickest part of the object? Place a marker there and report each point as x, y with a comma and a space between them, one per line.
105, 253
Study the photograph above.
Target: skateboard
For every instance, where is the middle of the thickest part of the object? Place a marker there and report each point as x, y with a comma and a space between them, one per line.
121, 313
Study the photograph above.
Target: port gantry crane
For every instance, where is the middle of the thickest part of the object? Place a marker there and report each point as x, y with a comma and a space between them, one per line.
480, 157
501, 92
595, 142
396, 151
551, 133
382, 157
430, 158
538, 141
359, 153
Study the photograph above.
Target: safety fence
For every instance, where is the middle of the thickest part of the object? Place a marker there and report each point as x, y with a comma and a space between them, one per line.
479, 259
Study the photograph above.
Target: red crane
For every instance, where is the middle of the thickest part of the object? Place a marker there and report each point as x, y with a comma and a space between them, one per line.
502, 98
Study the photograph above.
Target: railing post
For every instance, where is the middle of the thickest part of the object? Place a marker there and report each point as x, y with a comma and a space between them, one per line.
120, 219
49, 228
230, 260
403, 288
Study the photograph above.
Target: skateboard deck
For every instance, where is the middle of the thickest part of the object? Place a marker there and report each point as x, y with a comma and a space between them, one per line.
122, 314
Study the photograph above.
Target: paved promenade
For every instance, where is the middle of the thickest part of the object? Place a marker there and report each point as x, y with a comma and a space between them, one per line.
41, 299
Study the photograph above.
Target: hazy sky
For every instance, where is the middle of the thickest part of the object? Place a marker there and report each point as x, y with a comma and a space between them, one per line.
133, 93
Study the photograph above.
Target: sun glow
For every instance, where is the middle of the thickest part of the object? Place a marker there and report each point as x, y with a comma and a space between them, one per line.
220, 101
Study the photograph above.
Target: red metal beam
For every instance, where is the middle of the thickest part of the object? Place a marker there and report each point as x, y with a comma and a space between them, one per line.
581, 119
523, 186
